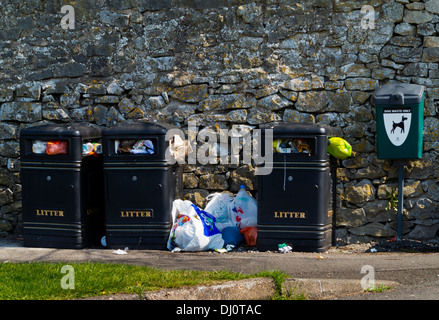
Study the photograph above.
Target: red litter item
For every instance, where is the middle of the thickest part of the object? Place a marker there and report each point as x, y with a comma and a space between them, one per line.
56, 147
250, 235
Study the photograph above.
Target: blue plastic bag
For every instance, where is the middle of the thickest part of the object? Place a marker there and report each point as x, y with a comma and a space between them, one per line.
208, 222
232, 235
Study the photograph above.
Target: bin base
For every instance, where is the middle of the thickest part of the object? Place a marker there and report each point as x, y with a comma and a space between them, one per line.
38, 241
306, 239
156, 240
62, 236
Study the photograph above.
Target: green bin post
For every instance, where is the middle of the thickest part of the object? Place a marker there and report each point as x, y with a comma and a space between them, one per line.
400, 125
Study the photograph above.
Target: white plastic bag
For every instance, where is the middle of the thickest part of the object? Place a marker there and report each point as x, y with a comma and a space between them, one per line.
193, 229
219, 207
244, 211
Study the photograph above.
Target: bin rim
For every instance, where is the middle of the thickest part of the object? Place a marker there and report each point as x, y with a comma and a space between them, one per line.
412, 94
296, 128
52, 130
136, 128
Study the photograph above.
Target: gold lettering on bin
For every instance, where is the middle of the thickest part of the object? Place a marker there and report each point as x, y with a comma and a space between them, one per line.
136, 213
290, 214
93, 211
49, 213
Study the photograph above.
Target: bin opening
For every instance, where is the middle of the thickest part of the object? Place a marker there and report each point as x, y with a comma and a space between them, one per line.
50, 147
61, 147
92, 148
134, 146
293, 145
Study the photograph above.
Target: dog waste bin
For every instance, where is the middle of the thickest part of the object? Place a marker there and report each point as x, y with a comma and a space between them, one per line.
294, 199
140, 186
400, 119
62, 181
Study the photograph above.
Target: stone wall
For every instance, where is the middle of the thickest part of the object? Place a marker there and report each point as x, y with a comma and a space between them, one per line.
229, 64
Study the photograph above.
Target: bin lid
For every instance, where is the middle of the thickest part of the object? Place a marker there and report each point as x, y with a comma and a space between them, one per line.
151, 128
63, 130
398, 94
295, 128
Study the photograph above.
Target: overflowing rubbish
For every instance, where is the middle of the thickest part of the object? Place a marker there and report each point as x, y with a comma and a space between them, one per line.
179, 148
52, 147
143, 147
232, 236
39, 146
244, 210
57, 147
226, 248
134, 146
339, 148
120, 251
91, 148
300, 146
285, 248
219, 205
104, 241
250, 235
226, 223
193, 229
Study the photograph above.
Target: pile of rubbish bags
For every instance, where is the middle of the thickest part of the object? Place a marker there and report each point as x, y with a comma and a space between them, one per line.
225, 223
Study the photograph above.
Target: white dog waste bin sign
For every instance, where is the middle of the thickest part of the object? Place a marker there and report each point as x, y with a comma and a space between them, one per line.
397, 124
399, 118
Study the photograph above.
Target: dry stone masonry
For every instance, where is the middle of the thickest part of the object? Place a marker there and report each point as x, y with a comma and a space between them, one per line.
229, 64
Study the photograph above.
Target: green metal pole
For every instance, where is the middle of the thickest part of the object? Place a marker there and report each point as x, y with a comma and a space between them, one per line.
400, 200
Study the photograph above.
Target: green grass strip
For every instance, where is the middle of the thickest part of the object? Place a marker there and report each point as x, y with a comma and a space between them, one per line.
44, 281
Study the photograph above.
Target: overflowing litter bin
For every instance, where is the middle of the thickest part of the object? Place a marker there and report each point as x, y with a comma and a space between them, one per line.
294, 199
400, 121
61, 176
140, 186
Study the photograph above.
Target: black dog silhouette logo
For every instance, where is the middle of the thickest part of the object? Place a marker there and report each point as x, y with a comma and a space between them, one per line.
399, 125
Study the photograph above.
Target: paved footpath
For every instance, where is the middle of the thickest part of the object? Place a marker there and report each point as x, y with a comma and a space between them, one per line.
416, 273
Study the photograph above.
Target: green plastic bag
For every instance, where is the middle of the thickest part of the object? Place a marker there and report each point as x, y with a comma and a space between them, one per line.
339, 148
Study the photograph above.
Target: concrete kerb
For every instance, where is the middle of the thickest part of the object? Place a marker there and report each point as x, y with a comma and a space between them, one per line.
255, 289
327, 288
246, 289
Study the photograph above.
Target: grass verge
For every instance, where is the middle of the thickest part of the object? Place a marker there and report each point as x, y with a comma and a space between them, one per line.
45, 281
379, 288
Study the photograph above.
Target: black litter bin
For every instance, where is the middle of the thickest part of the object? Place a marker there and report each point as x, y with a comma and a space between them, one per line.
62, 181
294, 199
140, 186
